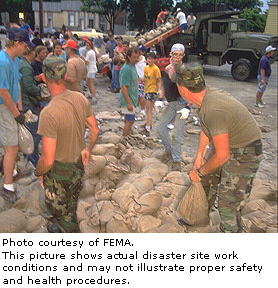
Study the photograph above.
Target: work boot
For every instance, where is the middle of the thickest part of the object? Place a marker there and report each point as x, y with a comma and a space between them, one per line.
8, 195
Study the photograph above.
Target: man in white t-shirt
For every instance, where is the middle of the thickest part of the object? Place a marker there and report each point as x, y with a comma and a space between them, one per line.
182, 20
191, 19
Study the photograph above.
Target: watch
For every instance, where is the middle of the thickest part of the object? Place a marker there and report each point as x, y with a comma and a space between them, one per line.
200, 175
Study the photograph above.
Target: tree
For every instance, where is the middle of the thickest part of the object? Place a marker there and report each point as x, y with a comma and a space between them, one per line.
255, 18
108, 8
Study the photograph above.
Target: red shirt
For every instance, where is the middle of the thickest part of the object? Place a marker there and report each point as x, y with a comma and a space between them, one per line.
162, 16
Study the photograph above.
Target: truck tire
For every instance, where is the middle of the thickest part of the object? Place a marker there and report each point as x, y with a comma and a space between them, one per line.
241, 69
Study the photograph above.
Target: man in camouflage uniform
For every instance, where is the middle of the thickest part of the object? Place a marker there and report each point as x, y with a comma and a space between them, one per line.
62, 126
235, 145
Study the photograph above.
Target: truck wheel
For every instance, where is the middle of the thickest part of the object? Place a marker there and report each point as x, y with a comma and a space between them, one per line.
241, 69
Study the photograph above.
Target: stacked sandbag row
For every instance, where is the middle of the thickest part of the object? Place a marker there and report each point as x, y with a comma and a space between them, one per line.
127, 190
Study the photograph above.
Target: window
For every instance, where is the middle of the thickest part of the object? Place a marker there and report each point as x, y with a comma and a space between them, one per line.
71, 20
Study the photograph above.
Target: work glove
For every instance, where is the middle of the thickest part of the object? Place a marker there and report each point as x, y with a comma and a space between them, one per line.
158, 104
20, 118
184, 112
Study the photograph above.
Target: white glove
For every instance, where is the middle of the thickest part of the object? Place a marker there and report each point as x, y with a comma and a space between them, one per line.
184, 113
158, 104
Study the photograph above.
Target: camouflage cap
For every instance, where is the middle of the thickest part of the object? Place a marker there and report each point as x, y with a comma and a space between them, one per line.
54, 68
191, 76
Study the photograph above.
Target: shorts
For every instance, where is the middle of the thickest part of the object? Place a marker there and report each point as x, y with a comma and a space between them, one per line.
262, 87
141, 88
150, 96
130, 117
8, 127
91, 75
184, 26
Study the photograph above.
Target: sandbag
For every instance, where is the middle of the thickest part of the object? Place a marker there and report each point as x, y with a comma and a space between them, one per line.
148, 222
25, 140
12, 221
254, 205
178, 178
45, 94
95, 165
193, 207
148, 203
117, 226
143, 184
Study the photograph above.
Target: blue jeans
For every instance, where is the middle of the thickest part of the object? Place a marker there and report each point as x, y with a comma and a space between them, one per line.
168, 114
33, 128
115, 78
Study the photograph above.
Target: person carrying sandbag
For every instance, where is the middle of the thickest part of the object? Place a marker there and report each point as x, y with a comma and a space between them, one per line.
230, 129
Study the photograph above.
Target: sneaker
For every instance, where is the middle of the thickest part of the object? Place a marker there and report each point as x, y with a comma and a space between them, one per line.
262, 102
170, 126
8, 195
176, 166
259, 105
94, 101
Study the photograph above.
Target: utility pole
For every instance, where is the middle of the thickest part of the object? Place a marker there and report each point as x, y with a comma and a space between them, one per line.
215, 5
41, 18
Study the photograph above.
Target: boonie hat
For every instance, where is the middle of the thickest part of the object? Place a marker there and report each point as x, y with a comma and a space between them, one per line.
54, 68
19, 34
71, 44
191, 76
143, 48
269, 49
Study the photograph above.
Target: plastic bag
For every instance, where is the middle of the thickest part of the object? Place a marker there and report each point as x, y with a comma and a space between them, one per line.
45, 94
25, 140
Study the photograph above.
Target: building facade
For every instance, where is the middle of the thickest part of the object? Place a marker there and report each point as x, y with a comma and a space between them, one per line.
69, 13
271, 26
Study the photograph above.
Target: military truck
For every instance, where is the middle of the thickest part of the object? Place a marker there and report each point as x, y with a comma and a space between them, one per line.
218, 38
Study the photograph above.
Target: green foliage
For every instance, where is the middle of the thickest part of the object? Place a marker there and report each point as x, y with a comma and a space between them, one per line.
256, 19
240, 4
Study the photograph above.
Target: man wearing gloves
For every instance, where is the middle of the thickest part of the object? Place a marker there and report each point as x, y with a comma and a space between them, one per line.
235, 138
10, 104
177, 109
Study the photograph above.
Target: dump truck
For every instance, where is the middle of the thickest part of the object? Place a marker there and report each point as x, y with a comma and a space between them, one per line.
217, 38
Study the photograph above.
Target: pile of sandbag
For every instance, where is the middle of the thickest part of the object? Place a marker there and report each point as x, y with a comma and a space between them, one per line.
127, 188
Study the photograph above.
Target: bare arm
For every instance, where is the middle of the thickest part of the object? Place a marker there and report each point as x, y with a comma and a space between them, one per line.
8, 101
127, 99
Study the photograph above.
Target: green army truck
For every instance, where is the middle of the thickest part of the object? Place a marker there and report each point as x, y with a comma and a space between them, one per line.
218, 38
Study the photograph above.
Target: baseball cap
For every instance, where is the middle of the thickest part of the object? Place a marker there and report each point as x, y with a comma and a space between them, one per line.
119, 37
71, 44
143, 48
269, 49
191, 76
54, 68
99, 35
85, 38
177, 47
110, 34
19, 34
179, 9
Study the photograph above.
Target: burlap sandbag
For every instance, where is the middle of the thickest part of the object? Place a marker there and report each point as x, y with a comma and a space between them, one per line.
143, 184
264, 189
178, 178
255, 205
110, 137
148, 203
148, 222
12, 221
117, 226
193, 207
125, 196
95, 165
155, 169
102, 149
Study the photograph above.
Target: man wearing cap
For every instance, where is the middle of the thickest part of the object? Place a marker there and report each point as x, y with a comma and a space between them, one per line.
177, 109
62, 126
10, 104
264, 72
235, 145
76, 67
182, 20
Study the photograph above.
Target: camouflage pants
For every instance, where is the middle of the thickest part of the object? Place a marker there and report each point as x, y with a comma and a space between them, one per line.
235, 179
62, 184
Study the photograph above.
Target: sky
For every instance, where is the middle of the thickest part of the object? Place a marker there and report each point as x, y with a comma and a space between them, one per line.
265, 7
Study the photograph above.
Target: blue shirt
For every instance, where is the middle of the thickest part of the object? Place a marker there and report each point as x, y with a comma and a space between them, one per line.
111, 47
10, 76
83, 50
265, 64
25, 26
